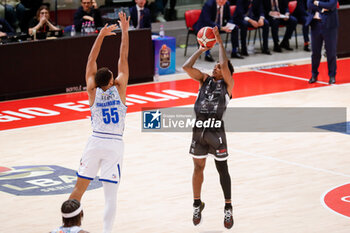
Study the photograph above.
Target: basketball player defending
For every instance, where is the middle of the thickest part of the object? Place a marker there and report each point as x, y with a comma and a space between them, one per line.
104, 149
214, 95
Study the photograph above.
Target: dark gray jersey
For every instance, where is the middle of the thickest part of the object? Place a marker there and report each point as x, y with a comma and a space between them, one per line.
212, 99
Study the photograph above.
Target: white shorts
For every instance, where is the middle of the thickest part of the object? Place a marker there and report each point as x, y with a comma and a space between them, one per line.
106, 154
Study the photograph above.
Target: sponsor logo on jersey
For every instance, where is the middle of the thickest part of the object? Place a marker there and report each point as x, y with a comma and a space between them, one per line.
152, 119
338, 200
39, 180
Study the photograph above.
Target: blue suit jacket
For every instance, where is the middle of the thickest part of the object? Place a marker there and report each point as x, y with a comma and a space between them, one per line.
208, 15
242, 10
146, 22
329, 18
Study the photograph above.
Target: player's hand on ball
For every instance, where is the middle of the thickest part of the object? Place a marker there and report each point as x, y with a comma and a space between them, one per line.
217, 35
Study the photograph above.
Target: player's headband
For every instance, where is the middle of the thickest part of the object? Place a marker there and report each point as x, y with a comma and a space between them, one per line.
73, 214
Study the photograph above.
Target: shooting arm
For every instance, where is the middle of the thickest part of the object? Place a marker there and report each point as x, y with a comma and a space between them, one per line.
190, 70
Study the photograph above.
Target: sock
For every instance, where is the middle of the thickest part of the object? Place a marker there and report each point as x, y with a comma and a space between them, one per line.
197, 202
110, 193
234, 50
228, 206
207, 52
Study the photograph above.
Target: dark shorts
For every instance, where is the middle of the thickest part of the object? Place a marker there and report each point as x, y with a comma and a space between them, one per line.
209, 141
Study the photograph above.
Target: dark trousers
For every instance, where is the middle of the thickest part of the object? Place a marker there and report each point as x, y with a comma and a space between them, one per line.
234, 38
302, 20
319, 34
243, 27
291, 23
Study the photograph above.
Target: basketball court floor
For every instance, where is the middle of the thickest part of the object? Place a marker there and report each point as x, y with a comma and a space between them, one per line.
291, 182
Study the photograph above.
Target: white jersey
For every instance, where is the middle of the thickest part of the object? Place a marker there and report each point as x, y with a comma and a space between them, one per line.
61, 229
108, 114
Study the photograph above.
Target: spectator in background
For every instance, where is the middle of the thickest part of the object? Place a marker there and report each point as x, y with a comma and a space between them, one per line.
41, 22
250, 13
140, 16
87, 12
300, 14
217, 13
277, 13
29, 9
170, 14
324, 22
5, 28
157, 10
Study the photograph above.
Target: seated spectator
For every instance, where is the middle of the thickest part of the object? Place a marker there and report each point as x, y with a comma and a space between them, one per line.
301, 14
250, 13
277, 13
157, 10
72, 214
41, 23
28, 10
87, 12
217, 13
5, 28
140, 16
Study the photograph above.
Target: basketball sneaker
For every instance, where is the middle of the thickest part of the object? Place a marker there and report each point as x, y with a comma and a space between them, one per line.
228, 219
197, 214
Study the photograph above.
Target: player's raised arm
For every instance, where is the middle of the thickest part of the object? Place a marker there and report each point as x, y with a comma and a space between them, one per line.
91, 66
123, 67
223, 61
195, 73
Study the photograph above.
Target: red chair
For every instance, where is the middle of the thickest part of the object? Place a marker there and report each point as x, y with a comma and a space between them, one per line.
191, 17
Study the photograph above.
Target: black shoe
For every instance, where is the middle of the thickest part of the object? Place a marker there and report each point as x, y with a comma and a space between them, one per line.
236, 55
277, 49
313, 79
266, 51
209, 58
306, 48
228, 219
197, 214
244, 52
285, 45
331, 80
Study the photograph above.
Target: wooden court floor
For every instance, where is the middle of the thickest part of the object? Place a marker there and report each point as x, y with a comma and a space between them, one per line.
278, 179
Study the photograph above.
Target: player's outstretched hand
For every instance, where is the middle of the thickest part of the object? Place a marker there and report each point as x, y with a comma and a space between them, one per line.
107, 30
123, 22
217, 35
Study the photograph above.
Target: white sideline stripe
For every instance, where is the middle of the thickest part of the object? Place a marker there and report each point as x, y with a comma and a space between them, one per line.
275, 63
288, 76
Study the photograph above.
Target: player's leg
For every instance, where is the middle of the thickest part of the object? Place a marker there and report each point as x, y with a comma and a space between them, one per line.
225, 181
111, 166
110, 193
87, 170
80, 188
197, 181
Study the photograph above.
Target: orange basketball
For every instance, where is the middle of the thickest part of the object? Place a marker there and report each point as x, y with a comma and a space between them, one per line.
206, 37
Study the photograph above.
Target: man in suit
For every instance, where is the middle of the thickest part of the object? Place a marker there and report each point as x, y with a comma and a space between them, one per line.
301, 14
277, 13
324, 23
250, 13
140, 16
217, 13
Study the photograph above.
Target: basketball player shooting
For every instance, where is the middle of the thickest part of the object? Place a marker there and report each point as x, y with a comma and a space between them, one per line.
104, 149
214, 95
